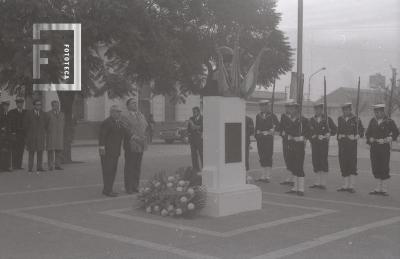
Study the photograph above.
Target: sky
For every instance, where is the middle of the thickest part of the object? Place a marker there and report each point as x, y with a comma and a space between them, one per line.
350, 38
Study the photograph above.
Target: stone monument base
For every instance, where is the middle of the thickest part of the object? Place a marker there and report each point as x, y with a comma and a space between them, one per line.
232, 201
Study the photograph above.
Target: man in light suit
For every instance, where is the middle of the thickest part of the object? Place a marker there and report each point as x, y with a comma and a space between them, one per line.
55, 136
135, 143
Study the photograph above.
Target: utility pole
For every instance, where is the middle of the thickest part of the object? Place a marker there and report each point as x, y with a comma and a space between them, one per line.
391, 91
300, 49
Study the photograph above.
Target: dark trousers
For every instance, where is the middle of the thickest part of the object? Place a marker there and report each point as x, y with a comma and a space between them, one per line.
265, 146
5, 160
109, 164
348, 157
380, 159
17, 152
54, 158
196, 150
247, 151
320, 150
133, 163
39, 160
295, 156
285, 151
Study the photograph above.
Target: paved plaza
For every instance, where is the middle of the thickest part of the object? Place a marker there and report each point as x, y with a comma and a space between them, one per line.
63, 215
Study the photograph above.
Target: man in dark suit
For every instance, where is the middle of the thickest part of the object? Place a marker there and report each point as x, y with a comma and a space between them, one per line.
5, 127
110, 141
195, 133
35, 124
17, 129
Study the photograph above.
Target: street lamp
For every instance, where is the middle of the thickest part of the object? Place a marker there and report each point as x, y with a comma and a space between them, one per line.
309, 81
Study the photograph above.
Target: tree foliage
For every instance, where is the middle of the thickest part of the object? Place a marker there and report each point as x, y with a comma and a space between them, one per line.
167, 42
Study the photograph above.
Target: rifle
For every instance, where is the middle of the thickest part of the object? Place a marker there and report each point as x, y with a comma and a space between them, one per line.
273, 97
325, 105
358, 103
391, 92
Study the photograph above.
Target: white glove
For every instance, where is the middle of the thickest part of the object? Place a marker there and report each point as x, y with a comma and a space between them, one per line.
102, 150
389, 139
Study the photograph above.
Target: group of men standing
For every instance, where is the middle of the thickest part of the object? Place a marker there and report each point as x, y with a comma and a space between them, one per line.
34, 129
295, 130
130, 131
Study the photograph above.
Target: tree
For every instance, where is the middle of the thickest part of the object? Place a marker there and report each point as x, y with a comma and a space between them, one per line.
167, 43
98, 19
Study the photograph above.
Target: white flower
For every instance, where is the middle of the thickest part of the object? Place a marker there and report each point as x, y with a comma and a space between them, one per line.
148, 209
182, 183
169, 185
156, 184
147, 189
184, 199
190, 206
171, 178
179, 189
156, 208
178, 211
190, 191
164, 212
170, 208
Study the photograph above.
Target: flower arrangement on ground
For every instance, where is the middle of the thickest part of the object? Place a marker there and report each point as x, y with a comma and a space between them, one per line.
178, 195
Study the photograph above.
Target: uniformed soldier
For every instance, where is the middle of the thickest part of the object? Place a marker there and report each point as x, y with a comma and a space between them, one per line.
322, 129
298, 132
195, 134
266, 123
283, 126
380, 133
5, 127
349, 131
249, 133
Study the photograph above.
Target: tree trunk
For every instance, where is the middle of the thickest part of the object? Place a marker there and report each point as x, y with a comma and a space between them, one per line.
66, 101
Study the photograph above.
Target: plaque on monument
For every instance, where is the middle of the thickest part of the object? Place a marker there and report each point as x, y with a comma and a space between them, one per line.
233, 143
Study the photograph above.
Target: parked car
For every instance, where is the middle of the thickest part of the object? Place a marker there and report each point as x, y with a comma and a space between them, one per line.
174, 134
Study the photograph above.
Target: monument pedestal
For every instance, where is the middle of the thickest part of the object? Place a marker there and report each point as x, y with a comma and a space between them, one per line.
224, 173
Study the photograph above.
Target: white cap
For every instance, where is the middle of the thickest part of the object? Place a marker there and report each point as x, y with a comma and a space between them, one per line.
115, 108
379, 106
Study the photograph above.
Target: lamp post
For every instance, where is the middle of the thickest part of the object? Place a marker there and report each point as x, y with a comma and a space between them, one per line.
309, 81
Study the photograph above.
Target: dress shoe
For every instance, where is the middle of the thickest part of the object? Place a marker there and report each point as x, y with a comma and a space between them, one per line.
374, 192
41, 170
110, 194
50, 168
322, 187
300, 193
314, 186
383, 193
351, 190
291, 192
342, 189
59, 168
